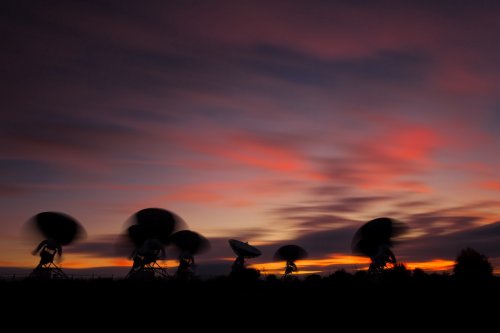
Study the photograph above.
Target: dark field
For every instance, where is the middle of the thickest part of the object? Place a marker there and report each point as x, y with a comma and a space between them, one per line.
336, 300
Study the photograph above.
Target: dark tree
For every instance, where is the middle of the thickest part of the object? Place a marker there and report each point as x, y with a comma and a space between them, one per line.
419, 273
271, 278
472, 265
340, 276
245, 275
313, 278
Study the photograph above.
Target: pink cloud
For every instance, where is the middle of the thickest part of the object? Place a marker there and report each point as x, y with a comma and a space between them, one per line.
493, 185
460, 79
347, 31
332, 32
386, 158
244, 149
238, 193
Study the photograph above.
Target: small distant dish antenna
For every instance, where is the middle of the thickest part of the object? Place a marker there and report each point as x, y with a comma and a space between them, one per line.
188, 243
57, 230
149, 233
375, 239
290, 254
243, 251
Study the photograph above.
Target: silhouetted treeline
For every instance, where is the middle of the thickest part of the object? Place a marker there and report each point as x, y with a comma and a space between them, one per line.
398, 293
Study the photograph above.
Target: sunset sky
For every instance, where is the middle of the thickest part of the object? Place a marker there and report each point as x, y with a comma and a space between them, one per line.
273, 122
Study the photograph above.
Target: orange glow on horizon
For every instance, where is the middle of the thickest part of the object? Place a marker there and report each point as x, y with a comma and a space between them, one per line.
307, 266
96, 263
335, 260
339, 260
433, 265
83, 262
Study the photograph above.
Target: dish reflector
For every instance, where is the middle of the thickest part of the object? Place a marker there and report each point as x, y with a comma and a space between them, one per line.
244, 249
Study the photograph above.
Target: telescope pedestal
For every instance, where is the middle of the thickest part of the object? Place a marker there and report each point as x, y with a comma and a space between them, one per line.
48, 271
148, 272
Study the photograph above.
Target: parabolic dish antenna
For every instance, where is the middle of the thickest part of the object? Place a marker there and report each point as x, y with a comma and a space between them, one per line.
290, 253
153, 223
242, 249
190, 242
377, 232
59, 227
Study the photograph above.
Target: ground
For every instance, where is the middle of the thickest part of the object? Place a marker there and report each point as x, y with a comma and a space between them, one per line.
351, 300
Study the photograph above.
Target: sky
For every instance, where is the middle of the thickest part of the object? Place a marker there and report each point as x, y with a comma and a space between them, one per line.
273, 122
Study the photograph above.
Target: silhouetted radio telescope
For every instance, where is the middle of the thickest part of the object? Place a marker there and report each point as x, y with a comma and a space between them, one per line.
375, 239
188, 244
149, 233
290, 254
58, 230
243, 251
